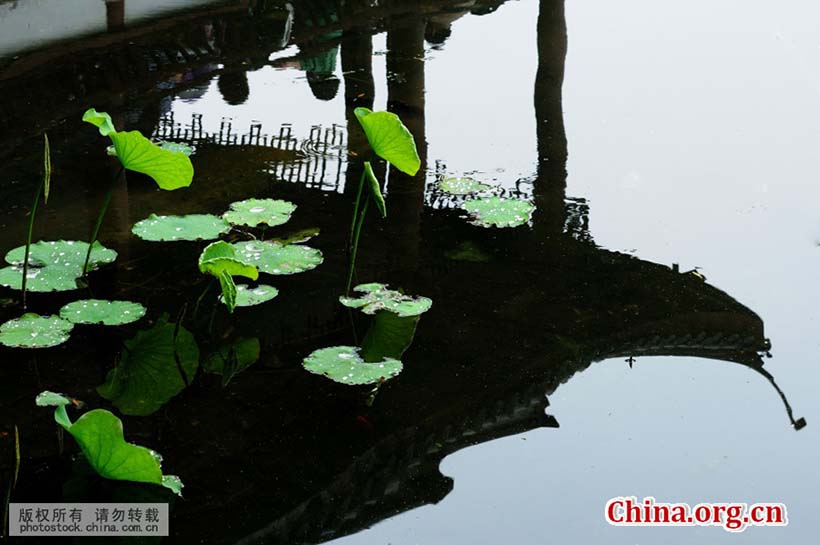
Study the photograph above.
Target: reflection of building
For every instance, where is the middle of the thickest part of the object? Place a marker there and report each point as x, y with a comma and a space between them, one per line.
287, 457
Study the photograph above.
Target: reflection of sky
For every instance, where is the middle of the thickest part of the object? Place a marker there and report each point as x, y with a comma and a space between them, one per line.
693, 129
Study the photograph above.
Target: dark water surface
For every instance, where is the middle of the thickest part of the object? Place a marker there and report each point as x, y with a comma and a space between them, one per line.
670, 149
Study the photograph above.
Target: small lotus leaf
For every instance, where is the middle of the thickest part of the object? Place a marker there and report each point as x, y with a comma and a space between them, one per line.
462, 186
390, 139
376, 297
344, 365
101, 120
97, 311
248, 297
220, 257
150, 371
35, 331
499, 212
253, 212
275, 258
190, 227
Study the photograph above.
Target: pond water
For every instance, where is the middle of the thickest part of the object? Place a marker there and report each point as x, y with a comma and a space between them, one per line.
651, 331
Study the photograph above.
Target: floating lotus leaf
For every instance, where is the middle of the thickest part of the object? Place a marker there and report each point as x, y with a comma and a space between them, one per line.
253, 212
100, 436
376, 297
43, 279
462, 186
344, 365
191, 227
275, 258
97, 311
298, 237
67, 254
390, 139
248, 297
35, 331
149, 373
177, 147
499, 212
231, 360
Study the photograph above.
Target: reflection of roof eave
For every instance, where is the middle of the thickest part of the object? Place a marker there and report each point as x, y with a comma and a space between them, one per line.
401, 472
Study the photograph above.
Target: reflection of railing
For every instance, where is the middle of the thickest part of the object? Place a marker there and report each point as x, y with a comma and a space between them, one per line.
317, 161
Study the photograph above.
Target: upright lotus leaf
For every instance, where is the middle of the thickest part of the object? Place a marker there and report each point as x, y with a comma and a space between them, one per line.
462, 186
344, 365
390, 139
99, 435
231, 360
171, 228
275, 258
220, 257
220, 260
101, 120
248, 297
375, 297
389, 336
51, 399
228, 287
66, 254
150, 371
98, 311
499, 212
375, 190
35, 331
169, 169
253, 212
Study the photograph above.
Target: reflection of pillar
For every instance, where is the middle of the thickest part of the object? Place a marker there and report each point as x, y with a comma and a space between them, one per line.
115, 14
551, 183
357, 55
405, 97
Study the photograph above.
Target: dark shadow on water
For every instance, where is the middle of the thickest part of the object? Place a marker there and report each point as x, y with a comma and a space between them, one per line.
279, 455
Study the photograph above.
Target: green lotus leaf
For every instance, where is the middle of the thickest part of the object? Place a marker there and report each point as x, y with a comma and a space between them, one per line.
97, 311
499, 212
170, 170
99, 435
177, 147
231, 360
149, 373
275, 258
43, 279
390, 139
298, 237
344, 365
101, 120
389, 336
248, 297
375, 297
191, 227
228, 287
35, 331
462, 186
220, 257
67, 254
375, 190
253, 212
